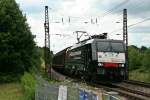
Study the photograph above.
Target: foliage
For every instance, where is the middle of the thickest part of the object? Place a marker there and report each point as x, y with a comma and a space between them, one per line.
48, 52
8, 78
139, 58
146, 59
139, 63
28, 83
134, 58
42, 58
17, 47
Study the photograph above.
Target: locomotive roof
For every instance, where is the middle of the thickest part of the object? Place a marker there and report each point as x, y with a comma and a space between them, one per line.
84, 43
91, 41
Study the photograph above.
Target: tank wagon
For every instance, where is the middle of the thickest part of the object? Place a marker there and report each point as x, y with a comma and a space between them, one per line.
93, 59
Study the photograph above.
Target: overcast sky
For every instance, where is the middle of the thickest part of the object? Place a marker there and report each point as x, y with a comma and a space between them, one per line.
107, 12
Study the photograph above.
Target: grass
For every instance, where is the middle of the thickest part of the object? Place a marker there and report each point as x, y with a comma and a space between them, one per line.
140, 75
11, 91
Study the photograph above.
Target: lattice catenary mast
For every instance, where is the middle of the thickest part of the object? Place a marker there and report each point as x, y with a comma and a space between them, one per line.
47, 41
125, 39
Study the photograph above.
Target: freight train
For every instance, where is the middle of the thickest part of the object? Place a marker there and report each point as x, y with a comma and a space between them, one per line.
93, 59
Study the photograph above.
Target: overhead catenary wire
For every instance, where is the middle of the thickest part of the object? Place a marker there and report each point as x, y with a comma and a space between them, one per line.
112, 11
133, 5
109, 12
147, 19
114, 8
96, 21
129, 26
136, 4
74, 19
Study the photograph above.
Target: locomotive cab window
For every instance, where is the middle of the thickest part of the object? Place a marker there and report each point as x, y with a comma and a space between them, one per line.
109, 46
103, 46
117, 47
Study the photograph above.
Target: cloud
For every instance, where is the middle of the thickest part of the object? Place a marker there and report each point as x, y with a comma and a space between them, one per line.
81, 11
139, 8
139, 39
31, 6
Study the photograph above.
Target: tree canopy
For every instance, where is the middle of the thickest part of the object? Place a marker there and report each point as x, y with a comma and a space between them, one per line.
17, 46
139, 58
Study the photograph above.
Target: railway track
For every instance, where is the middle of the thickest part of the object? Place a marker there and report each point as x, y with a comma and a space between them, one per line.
132, 90
136, 92
129, 94
143, 84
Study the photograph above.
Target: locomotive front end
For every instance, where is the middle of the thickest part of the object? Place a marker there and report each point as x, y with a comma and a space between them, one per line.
111, 59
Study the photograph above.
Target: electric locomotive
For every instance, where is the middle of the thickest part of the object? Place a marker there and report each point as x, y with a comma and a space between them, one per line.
93, 59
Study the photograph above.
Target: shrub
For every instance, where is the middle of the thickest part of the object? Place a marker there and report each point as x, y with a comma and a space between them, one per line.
28, 83
9, 77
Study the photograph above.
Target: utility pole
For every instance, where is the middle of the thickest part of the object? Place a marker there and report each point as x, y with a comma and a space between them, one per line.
125, 39
47, 42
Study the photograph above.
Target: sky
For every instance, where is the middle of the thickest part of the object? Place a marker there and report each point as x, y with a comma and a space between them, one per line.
107, 12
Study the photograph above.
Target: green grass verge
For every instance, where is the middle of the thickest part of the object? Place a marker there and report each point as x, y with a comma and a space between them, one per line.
140, 75
11, 91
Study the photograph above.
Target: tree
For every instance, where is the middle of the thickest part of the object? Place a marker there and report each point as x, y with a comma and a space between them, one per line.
134, 58
17, 47
143, 48
146, 60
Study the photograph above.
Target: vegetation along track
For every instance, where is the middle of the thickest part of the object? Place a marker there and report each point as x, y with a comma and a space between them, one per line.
132, 90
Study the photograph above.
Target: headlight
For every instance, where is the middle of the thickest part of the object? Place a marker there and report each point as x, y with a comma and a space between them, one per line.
100, 64
121, 65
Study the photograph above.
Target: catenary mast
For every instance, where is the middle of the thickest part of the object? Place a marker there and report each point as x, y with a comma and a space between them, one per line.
47, 42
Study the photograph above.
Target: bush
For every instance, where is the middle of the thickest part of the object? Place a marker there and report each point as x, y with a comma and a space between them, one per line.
28, 83
9, 77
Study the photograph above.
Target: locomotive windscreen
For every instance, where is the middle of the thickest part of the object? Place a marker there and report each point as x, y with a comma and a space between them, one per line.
117, 47
107, 46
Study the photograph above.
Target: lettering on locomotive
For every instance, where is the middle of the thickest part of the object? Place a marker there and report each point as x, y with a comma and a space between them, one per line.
75, 53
